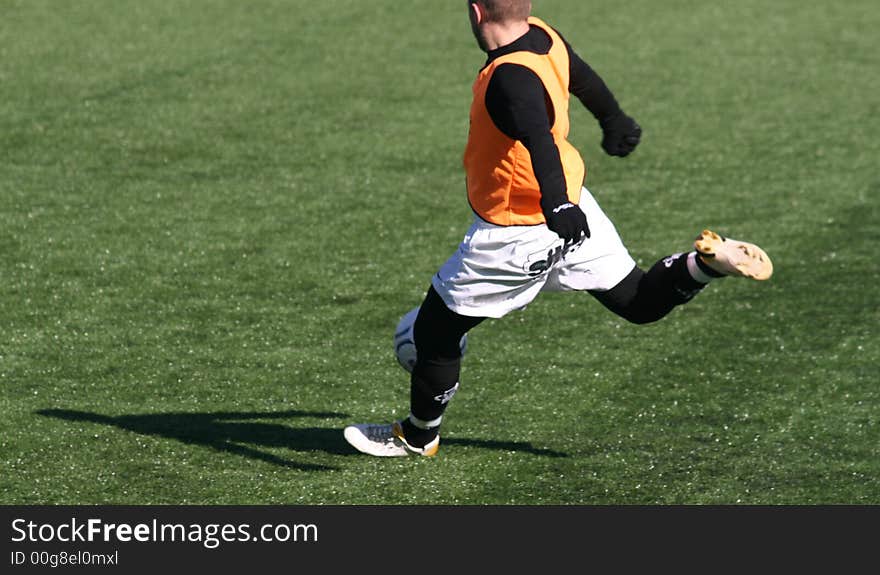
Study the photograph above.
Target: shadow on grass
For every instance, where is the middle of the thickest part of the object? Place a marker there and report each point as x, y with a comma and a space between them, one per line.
517, 446
229, 431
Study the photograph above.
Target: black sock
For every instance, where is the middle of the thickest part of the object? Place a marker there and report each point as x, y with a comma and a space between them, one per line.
704, 267
416, 436
432, 385
675, 277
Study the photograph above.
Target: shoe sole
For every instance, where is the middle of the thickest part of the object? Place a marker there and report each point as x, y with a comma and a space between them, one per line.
733, 257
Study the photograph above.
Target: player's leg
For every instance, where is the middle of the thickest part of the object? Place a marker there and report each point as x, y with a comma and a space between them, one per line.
435, 377
644, 297
603, 266
496, 270
437, 334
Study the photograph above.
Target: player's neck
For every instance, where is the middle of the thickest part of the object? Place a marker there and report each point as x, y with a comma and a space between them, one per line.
498, 34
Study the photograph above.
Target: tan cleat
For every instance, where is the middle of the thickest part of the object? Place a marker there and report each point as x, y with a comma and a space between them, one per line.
732, 257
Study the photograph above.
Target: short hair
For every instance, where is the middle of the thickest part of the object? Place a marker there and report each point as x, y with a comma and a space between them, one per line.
506, 10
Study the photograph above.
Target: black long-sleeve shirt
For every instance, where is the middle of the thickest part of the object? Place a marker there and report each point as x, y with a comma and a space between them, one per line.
520, 108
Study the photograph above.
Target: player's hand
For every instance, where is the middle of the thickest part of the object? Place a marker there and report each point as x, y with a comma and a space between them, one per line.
621, 135
567, 220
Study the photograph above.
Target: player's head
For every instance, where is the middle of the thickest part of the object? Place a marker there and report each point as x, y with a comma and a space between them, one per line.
500, 12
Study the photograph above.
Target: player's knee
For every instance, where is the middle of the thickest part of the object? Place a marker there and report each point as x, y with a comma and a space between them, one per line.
641, 316
438, 331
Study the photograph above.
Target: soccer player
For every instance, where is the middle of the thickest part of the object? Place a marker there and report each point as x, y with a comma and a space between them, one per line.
536, 227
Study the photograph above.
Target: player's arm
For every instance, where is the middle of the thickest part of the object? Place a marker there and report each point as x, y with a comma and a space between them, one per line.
517, 104
621, 134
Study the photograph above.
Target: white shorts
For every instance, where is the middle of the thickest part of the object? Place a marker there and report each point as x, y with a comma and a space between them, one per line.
499, 269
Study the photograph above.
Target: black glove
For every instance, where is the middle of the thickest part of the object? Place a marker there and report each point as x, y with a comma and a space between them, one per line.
621, 135
566, 219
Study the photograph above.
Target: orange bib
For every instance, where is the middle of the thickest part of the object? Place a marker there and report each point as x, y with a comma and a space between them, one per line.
501, 184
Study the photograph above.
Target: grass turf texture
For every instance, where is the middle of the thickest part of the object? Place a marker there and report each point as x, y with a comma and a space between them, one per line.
212, 214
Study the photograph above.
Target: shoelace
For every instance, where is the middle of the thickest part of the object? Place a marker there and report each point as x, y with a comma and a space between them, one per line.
380, 432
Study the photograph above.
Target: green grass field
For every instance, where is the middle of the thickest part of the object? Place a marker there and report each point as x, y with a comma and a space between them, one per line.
213, 213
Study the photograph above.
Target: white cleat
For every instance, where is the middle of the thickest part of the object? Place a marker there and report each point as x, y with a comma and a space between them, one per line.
733, 257
386, 440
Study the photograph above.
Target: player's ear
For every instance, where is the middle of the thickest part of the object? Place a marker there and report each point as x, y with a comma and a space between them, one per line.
476, 13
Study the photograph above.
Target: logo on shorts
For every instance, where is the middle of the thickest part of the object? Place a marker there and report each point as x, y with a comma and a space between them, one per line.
538, 263
546, 261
